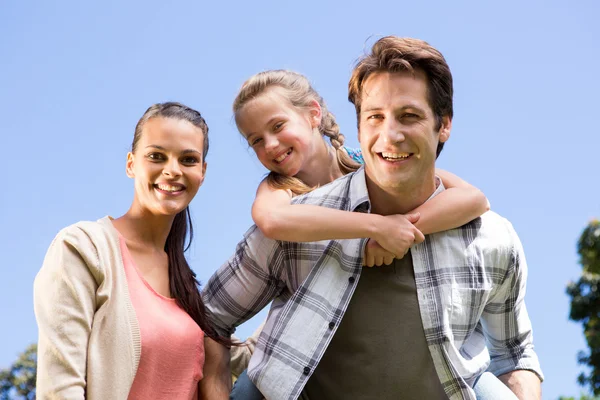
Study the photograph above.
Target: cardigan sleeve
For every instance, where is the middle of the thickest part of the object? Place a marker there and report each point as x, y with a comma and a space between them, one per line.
64, 303
240, 355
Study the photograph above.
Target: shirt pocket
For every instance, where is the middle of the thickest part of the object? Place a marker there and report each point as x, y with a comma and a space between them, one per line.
466, 308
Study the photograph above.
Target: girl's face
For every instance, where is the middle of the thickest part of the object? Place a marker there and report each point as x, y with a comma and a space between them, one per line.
284, 137
168, 165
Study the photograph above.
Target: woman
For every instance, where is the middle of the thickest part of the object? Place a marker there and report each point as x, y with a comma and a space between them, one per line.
117, 305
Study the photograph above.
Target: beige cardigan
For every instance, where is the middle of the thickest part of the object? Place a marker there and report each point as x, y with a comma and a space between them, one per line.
89, 339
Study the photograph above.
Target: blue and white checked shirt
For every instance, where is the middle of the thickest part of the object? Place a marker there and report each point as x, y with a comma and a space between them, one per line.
470, 286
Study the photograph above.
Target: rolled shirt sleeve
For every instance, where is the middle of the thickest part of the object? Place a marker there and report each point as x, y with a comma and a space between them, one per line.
245, 284
505, 319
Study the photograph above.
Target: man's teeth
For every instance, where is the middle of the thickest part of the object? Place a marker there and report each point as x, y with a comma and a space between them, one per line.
395, 156
283, 156
169, 188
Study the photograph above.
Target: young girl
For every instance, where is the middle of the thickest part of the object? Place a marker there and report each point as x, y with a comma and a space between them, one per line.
117, 305
284, 121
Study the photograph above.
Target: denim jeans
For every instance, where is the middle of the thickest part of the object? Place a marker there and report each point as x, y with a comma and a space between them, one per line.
244, 389
487, 387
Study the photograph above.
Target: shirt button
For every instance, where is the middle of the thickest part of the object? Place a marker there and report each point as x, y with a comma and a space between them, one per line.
351, 279
331, 325
306, 370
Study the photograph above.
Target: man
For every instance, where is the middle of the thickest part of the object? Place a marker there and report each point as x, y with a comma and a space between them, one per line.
425, 327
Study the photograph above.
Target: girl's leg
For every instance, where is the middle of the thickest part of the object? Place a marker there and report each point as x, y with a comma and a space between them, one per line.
488, 387
244, 389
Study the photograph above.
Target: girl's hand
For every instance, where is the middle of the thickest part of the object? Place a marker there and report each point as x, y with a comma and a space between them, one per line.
376, 255
397, 233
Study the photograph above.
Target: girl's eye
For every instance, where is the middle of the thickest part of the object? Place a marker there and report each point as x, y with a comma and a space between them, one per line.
278, 126
256, 141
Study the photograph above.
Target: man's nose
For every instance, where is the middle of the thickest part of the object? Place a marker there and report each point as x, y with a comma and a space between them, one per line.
392, 131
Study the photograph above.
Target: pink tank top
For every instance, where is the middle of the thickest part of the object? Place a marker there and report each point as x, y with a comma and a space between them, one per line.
172, 356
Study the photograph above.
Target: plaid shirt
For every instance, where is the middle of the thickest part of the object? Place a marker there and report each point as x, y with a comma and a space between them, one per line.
470, 286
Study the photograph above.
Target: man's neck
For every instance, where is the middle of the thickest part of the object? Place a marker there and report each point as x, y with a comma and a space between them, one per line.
399, 200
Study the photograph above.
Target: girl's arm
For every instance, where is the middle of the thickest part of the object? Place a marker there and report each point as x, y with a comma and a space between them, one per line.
456, 206
280, 220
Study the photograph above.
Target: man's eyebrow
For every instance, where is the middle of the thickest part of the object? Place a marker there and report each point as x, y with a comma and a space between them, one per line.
372, 108
406, 107
413, 107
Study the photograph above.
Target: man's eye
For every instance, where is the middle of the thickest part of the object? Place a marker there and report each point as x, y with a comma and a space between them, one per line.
375, 116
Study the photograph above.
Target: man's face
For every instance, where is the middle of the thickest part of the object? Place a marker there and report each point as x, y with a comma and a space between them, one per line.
397, 130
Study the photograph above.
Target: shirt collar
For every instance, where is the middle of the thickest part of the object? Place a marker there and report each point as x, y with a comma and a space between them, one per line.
359, 194
358, 190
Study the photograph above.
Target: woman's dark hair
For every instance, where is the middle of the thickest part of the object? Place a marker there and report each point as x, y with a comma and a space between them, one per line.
183, 284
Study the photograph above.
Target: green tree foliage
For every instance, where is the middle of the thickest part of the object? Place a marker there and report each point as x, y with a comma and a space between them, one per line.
582, 397
585, 303
18, 381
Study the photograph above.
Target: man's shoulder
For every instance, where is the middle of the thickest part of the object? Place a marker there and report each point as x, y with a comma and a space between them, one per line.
491, 230
334, 195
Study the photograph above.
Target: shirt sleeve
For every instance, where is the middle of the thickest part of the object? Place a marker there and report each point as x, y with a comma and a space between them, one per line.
505, 319
64, 303
244, 284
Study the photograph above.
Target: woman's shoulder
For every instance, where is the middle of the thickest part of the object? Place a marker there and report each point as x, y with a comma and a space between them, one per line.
84, 246
87, 236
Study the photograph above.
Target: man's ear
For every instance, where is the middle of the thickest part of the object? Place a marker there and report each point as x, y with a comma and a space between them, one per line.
129, 165
315, 113
445, 129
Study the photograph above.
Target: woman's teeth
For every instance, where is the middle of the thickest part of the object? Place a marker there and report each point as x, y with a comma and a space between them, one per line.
395, 156
283, 156
169, 188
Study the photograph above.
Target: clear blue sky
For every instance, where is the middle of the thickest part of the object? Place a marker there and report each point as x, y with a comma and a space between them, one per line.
75, 77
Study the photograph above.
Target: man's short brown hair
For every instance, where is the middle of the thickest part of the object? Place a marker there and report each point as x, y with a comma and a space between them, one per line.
394, 54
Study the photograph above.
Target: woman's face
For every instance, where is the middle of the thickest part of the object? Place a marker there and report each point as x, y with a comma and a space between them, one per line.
167, 165
283, 137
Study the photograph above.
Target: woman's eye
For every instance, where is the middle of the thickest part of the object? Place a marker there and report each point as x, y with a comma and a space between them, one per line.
155, 157
190, 160
410, 115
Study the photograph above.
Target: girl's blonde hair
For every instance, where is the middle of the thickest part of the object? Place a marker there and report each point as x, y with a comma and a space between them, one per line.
299, 93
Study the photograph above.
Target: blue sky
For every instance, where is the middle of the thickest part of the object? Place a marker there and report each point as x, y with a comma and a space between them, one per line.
75, 77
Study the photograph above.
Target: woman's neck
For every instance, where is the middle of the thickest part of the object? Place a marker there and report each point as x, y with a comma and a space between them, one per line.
323, 168
144, 229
